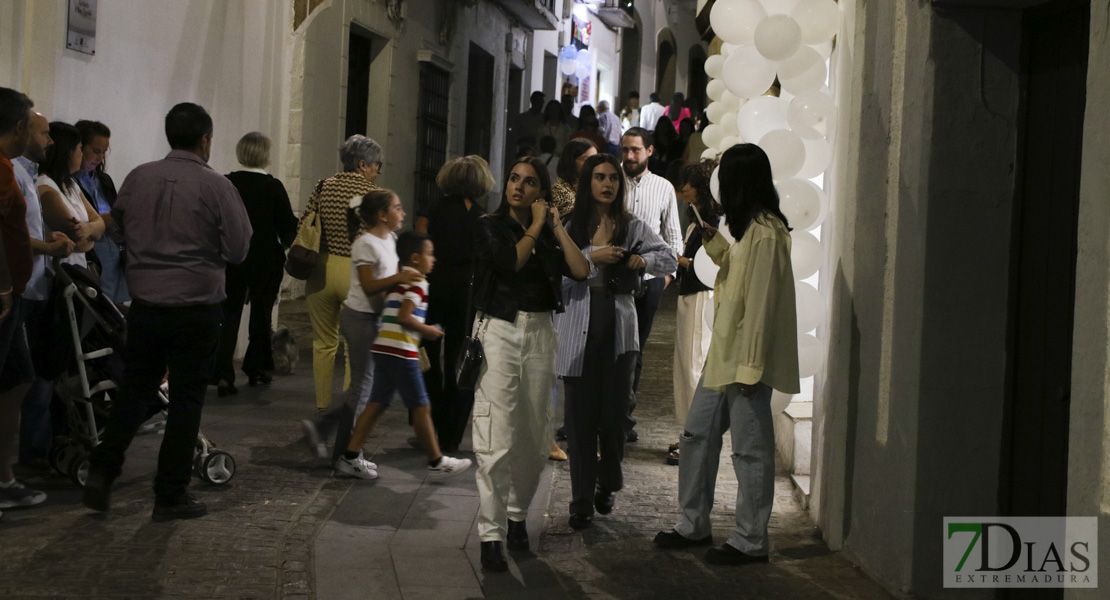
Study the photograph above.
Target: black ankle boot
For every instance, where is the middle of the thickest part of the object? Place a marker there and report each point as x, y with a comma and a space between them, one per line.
517, 540
493, 557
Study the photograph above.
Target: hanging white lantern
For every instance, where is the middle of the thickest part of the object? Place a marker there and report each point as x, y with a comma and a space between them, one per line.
804, 72
812, 114
747, 73
806, 254
713, 66
734, 21
761, 115
810, 306
786, 152
819, 20
778, 37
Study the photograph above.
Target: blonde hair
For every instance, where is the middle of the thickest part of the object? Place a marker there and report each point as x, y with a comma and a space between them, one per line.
466, 176
253, 150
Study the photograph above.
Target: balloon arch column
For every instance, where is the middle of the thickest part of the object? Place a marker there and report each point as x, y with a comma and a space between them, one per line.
789, 41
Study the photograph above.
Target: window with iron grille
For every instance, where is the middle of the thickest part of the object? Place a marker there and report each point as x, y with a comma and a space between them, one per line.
431, 131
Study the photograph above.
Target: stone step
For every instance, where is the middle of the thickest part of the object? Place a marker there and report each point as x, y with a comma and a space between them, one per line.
793, 438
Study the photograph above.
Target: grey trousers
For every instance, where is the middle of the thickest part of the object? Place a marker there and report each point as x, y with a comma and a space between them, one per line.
359, 330
753, 459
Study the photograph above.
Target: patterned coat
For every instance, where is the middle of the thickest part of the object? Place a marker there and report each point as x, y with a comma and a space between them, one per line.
332, 199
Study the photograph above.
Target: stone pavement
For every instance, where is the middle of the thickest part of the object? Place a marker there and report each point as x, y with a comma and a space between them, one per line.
285, 528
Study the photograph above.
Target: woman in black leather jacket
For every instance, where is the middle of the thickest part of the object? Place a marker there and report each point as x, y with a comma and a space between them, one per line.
521, 253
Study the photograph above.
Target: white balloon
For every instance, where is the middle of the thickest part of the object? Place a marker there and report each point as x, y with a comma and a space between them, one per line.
819, 20
810, 306
583, 57
567, 67
715, 111
778, 7
786, 152
724, 231
761, 115
709, 154
727, 49
818, 155
734, 21
714, 89
712, 135
811, 354
713, 66
812, 114
824, 48
704, 267
802, 203
778, 37
804, 72
731, 101
728, 142
715, 185
747, 73
779, 401
806, 254
728, 123
582, 71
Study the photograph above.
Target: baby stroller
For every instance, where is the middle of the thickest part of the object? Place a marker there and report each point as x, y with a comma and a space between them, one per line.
88, 327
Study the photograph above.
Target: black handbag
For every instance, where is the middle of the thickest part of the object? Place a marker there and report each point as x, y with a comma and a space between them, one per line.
620, 279
468, 365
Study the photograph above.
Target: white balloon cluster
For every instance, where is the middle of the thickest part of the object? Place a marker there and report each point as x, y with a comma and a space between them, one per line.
573, 61
790, 40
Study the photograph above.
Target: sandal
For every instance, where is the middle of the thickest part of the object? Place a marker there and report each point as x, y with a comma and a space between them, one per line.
672, 457
672, 448
557, 453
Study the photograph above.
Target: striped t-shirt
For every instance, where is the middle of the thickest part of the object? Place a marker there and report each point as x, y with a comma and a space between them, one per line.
392, 337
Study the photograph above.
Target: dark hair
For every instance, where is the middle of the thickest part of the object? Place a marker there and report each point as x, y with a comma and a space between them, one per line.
409, 243
90, 130
674, 111
653, 97
56, 164
665, 134
747, 190
634, 94
568, 162
641, 133
553, 105
583, 219
698, 175
537, 93
587, 119
14, 107
685, 129
186, 124
541, 173
548, 143
374, 202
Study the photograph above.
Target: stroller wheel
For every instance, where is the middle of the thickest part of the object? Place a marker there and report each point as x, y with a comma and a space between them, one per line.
55, 455
79, 469
218, 468
65, 457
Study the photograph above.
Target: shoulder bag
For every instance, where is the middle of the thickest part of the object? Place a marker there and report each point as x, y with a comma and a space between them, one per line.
304, 254
468, 365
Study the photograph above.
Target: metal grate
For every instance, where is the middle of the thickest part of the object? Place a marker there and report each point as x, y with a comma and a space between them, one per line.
431, 131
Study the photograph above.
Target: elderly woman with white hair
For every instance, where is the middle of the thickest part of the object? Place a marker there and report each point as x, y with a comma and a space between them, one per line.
326, 290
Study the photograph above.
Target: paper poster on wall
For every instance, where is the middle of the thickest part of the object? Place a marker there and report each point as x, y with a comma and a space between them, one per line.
81, 29
580, 32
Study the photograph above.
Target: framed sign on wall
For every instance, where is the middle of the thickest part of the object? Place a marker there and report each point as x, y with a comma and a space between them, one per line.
81, 26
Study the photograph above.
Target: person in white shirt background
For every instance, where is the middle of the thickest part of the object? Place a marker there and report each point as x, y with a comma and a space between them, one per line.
610, 128
650, 114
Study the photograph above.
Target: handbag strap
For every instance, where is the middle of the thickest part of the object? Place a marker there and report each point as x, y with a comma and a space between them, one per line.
470, 313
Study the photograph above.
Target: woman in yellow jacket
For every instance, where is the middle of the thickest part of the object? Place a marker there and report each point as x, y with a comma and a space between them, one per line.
754, 351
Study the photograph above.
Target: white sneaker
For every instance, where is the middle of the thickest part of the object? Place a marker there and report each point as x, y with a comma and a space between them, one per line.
448, 466
312, 438
15, 494
357, 467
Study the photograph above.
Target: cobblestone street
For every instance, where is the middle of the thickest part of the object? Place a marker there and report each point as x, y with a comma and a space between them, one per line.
284, 528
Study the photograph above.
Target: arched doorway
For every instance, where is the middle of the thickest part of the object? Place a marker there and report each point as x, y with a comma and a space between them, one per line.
696, 80
666, 64
631, 39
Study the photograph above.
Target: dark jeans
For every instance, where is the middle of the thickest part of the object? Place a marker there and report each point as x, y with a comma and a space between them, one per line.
184, 340
596, 406
261, 289
646, 306
450, 406
36, 429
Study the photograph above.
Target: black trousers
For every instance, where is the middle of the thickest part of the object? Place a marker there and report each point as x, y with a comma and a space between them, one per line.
450, 406
261, 289
183, 340
596, 407
646, 306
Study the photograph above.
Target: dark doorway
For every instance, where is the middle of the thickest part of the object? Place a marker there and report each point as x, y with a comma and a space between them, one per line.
697, 80
479, 103
665, 69
1054, 83
362, 48
630, 64
513, 103
550, 76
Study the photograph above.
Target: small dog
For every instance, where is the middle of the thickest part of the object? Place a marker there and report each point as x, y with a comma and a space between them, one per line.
286, 353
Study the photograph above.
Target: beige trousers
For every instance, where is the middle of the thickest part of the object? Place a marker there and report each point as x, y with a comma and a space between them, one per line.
693, 332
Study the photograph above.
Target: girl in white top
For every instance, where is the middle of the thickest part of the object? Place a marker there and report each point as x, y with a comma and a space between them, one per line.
64, 208
374, 271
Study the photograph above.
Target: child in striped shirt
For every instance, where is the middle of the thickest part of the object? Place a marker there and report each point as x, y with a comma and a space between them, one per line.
396, 360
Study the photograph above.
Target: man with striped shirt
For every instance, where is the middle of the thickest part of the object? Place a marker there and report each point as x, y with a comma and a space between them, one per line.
651, 199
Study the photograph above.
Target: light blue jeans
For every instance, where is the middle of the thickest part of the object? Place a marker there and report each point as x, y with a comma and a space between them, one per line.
753, 459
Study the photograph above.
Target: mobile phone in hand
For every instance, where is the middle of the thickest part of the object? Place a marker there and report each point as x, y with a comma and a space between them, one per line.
697, 215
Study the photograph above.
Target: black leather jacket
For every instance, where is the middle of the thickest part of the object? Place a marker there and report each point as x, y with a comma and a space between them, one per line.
498, 289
